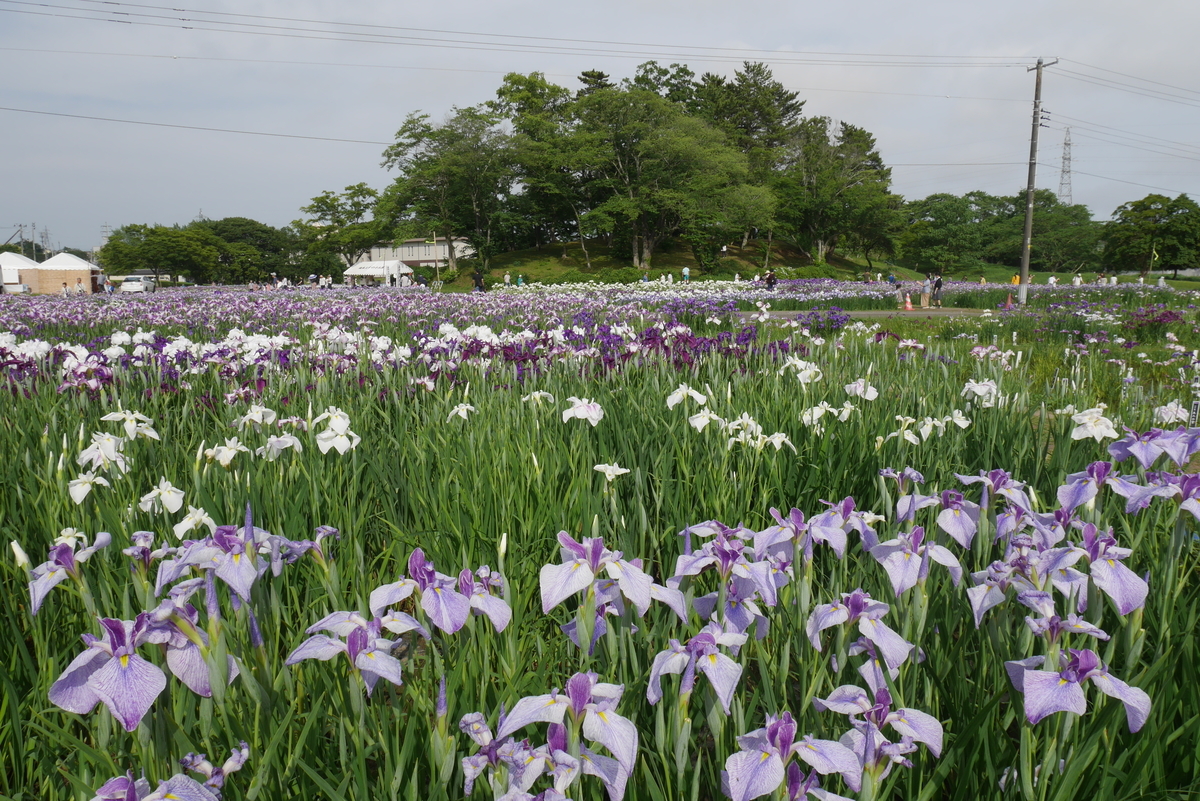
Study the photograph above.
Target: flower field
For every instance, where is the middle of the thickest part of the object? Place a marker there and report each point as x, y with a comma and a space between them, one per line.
647, 542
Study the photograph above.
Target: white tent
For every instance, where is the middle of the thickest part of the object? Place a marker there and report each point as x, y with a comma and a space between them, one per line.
379, 269
66, 261
13, 264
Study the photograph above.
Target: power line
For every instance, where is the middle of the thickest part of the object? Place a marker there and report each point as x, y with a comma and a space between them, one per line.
1107, 84
1132, 183
377, 26
1132, 77
195, 127
293, 32
1130, 134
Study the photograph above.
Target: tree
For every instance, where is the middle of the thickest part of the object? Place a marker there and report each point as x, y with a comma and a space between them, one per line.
251, 250
943, 234
454, 178
158, 249
833, 181
342, 224
658, 168
1155, 232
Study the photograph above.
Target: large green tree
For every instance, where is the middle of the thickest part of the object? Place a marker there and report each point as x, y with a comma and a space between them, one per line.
161, 250
455, 179
1156, 232
832, 184
343, 224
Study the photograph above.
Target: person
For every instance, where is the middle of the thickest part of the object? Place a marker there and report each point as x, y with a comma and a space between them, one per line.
724, 249
79, 287
878, 277
508, 279
670, 278
926, 289
892, 279
1052, 280
1016, 279
937, 291
1077, 280
737, 277
520, 279
687, 273
770, 279
108, 287
66, 293
477, 280
1141, 279
1162, 282
645, 277
1112, 280
982, 279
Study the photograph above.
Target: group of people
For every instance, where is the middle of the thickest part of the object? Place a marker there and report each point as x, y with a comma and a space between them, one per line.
80, 289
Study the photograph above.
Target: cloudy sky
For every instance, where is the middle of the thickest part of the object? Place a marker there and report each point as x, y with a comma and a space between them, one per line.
943, 85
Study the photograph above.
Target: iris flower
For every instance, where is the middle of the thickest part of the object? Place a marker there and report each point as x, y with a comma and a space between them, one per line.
366, 648
337, 434
441, 601
1048, 691
875, 753
701, 653
164, 496
592, 706
906, 560
858, 607
79, 488
63, 563
762, 764
684, 391
1092, 423
584, 409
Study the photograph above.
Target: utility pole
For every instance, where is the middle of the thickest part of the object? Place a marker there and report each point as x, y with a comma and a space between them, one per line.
1023, 289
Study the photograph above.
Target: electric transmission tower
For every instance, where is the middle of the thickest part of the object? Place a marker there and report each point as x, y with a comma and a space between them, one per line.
1064, 176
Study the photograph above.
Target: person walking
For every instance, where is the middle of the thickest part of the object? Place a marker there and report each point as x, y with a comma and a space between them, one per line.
477, 278
508, 279
687, 274
926, 289
770, 279
937, 291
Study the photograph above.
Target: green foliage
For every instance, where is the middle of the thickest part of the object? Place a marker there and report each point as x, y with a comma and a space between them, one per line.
343, 224
1154, 233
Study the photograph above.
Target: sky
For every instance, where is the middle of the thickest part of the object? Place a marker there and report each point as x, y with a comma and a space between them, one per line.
944, 85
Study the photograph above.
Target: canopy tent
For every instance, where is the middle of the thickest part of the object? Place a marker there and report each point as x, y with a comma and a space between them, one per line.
13, 264
379, 269
67, 261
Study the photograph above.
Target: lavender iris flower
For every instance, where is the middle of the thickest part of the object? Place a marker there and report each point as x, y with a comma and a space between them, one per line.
858, 607
1053, 627
998, 482
959, 518
762, 764
180, 787
1082, 488
63, 563
369, 653
874, 752
214, 777
1179, 445
700, 653
1118, 582
110, 671
478, 587
580, 570
592, 704
1158, 485
1048, 691
906, 560
441, 601
792, 532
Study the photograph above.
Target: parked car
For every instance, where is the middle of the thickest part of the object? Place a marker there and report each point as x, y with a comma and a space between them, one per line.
138, 283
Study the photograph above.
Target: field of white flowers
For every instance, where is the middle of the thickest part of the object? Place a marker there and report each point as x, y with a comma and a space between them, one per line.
663, 543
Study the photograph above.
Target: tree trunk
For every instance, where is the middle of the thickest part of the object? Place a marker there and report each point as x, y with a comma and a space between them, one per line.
582, 244
745, 238
767, 257
452, 257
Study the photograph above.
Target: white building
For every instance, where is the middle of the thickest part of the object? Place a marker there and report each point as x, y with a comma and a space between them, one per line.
421, 252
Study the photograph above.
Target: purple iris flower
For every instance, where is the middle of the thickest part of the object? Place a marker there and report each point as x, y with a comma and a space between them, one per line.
903, 479
843, 517
959, 518
762, 764
110, 671
700, 653
792, 533
214, 777
1082, 488
580, 569
1053, 627
1048, 691
127, 788
1118, 582
592, 704
515, 765
1179, 445
906, 560
858, 607
478, 587
441, 601
1158, 485
874, 752
63, 563
369, 653
143, 552
998, 482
